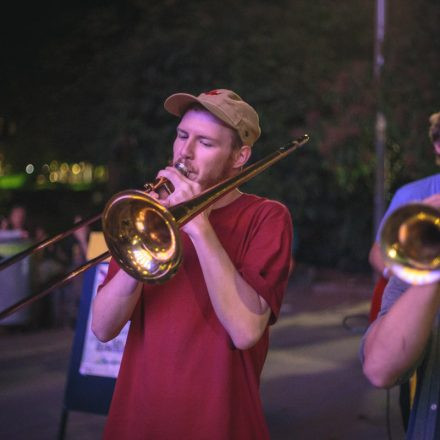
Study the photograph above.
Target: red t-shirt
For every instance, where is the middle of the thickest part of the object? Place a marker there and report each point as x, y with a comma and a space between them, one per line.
181, 377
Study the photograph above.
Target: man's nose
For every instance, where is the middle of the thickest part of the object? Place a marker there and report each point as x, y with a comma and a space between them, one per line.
187, 148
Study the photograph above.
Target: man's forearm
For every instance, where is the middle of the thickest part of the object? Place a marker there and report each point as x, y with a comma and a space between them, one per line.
113, 305
397, 339
240, 309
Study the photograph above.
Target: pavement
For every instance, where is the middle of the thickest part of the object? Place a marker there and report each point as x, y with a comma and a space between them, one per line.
312, 385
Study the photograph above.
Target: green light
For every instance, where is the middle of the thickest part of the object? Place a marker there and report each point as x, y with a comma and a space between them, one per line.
12, 181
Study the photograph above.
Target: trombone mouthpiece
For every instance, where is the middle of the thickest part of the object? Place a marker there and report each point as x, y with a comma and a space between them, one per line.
164, 184
181, 167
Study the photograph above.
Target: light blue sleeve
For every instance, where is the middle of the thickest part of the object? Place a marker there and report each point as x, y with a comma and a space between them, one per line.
412, 192
393, 290
401, 197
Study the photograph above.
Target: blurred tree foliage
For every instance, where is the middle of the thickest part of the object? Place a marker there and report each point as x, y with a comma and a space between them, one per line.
86, 80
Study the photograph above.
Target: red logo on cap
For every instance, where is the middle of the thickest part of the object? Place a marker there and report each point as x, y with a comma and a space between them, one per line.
212, 92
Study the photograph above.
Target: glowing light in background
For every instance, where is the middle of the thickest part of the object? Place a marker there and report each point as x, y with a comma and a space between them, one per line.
78, 175
30, 168
76, 169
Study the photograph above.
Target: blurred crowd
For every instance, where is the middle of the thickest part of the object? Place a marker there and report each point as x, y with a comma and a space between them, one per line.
18, 231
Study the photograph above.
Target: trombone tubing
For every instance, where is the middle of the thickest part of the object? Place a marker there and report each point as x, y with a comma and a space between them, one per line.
45, 243
58, 283
186, 211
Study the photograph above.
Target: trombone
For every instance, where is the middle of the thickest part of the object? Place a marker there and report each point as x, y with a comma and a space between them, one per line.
141, 234
410, 243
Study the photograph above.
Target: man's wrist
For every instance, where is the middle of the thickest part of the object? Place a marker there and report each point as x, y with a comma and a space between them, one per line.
386, 272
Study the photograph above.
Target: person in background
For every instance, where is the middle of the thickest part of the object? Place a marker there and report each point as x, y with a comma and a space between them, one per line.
17, 221
411, 192
15, 227
425, 190
197, 343
61, 307
405, 339
3, 223
77, 251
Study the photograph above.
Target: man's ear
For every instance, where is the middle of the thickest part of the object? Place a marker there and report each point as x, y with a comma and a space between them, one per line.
241, 156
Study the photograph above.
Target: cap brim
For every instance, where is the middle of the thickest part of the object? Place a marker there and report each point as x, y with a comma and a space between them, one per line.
177, 104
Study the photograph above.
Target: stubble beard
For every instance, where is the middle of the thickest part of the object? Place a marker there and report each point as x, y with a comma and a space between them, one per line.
224, 173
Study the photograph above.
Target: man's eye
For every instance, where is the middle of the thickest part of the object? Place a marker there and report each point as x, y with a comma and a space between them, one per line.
181, 135
206, 143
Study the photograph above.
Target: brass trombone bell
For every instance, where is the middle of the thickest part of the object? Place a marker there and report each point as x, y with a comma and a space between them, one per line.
410, 243
142, 236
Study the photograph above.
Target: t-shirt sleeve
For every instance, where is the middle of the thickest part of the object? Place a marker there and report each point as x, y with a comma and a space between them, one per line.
409, 193
393, 290
112, 271
267, 260
399, 199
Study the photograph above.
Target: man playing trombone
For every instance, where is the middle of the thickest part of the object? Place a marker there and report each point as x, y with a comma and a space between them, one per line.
197, 343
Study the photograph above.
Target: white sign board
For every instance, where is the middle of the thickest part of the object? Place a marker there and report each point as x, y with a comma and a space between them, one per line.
98, 358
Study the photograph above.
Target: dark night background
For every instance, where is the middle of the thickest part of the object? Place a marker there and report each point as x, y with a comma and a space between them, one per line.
85, 81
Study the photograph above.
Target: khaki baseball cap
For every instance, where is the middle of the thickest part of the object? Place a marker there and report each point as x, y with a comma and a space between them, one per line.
225, 105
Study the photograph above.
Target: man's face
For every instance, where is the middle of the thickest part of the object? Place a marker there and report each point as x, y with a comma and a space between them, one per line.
436, 143
204, 144
437, 152
17, 217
